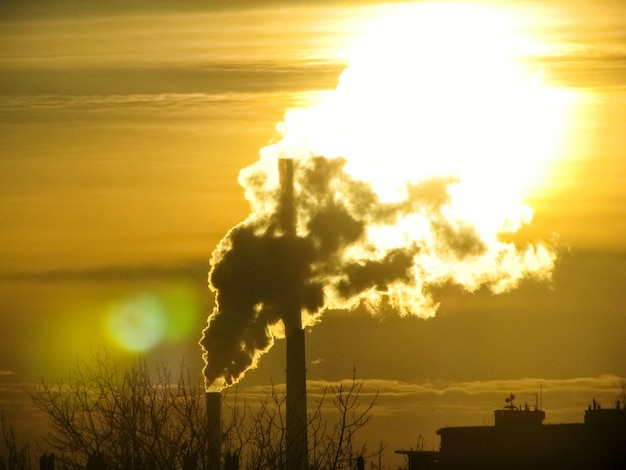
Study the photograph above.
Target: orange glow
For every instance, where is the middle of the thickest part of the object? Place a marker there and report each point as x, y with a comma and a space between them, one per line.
440, 89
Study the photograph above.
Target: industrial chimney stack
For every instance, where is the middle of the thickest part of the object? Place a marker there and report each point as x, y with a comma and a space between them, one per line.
296, 413
213, 414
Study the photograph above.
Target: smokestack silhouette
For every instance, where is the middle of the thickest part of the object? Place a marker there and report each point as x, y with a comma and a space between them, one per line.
296, 432
213, 414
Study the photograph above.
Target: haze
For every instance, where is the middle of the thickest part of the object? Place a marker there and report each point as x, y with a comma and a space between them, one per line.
123, 132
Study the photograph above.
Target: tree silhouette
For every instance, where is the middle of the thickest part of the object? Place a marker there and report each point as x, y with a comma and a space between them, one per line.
14, 455
256, 432
104, 417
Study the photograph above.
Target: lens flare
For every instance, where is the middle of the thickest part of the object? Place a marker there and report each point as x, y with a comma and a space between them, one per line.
137, 324
145, 320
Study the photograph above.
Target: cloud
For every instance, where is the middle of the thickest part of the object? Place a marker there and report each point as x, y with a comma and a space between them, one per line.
563, 399
601, 383
608, 383
165, 80
190, 269
65, 8
595, 69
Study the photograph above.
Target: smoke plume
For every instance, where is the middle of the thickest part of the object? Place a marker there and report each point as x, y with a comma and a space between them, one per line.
390, 201
341, 258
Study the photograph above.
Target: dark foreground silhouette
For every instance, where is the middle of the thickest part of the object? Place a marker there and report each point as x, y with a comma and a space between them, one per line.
519, 439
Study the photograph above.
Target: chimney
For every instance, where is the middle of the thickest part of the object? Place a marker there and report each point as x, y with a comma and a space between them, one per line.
296, 416
213, 404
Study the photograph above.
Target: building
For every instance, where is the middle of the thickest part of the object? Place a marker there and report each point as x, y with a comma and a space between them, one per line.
519, 439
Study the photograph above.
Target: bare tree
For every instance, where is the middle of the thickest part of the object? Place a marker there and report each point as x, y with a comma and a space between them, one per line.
336, 447
136, 419
13, 455
256, 432
129, 419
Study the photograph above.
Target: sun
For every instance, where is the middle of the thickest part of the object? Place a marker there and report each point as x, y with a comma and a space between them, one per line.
440, 90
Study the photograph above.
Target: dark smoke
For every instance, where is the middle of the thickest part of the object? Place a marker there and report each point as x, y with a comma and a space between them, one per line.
254, 276
394, 266
333, 261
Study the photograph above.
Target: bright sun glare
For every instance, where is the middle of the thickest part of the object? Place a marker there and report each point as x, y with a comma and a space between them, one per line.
443, 130
440, 90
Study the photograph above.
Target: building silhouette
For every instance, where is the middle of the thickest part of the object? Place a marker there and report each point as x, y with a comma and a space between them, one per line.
519, 439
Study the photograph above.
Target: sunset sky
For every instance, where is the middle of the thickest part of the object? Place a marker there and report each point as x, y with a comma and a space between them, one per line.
124, 126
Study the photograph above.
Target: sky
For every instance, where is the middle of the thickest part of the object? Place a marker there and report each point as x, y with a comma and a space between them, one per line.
124, 127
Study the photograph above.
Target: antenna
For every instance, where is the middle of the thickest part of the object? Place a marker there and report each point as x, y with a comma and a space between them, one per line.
509, 400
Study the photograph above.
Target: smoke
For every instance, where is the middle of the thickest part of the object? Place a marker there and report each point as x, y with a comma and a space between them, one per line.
399, 187
342, 258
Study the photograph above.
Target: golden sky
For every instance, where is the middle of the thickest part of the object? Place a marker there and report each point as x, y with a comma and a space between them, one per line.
123, 131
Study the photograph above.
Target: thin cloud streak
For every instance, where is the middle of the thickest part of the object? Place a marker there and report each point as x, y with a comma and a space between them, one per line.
187, 106
590, 71
206, 37
133, 80
190, 269
396, 389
